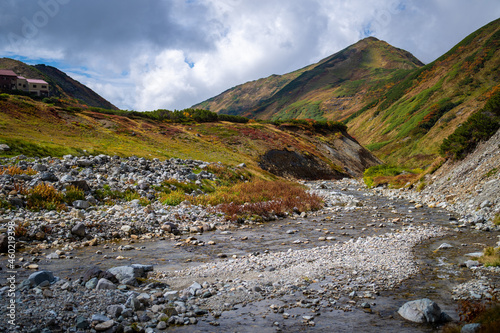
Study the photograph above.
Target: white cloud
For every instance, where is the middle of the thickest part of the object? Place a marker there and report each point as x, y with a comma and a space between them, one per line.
173, 54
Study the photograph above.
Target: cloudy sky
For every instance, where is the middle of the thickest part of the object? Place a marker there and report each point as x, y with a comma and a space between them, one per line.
172, 54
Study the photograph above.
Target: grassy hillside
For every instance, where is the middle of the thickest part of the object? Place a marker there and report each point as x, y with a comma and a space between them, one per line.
408, 124
61, 85
237, 100
35, 128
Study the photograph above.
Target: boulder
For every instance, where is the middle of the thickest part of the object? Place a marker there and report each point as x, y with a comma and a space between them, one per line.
126, 273
79, 230
115, 310
80, 184
17, 202
104, 326
421, 311
92, 272
39, 277
4, 147
48, 177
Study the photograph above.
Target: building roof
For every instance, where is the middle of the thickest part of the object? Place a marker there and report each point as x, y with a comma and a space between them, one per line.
7, 72
36, 81
21, 77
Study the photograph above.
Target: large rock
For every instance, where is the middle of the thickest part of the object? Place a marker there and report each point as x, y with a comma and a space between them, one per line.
471, 328
421, 311
4, 147
125, 274
79, 230
39, 277
48, 177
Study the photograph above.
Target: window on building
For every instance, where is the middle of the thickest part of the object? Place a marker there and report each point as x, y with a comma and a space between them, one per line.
34, 86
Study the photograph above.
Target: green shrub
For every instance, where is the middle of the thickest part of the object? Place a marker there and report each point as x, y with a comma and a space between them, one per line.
385, 174
73, 193
173, 198
4, 97
478, 127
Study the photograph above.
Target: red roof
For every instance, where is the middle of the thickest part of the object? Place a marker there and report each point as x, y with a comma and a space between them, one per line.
7, 72
36, 81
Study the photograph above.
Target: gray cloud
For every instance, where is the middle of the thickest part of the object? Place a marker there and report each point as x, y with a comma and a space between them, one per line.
172, 54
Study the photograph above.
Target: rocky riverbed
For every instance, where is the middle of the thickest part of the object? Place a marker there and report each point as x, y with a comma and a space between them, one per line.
158, 268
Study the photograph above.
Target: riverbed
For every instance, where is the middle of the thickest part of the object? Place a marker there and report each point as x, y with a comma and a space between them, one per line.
313, 304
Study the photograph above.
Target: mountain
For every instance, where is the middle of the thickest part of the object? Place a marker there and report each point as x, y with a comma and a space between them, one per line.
398, 107
330, 89
61, 85
408, 123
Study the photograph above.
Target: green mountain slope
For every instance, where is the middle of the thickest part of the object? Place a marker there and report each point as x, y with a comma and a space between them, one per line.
61, 85
241, 98
331, 89
409, 122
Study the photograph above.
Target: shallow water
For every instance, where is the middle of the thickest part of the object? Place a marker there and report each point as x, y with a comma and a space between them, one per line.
439, 270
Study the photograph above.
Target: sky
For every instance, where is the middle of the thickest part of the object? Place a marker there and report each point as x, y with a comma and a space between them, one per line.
172, 54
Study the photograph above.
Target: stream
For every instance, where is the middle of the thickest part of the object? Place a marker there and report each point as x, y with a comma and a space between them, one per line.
375, 215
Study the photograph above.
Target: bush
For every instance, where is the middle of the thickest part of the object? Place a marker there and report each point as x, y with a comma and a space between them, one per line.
390, 175
73, 193
45, 196
263, 198
478, 127
4, 97
173, 198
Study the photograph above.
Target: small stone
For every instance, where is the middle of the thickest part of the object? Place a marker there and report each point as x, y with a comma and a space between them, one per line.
104, 325
47, 293
444, 246
161, 325
92, 283
105, 284
81, 204
471, 328
82, 323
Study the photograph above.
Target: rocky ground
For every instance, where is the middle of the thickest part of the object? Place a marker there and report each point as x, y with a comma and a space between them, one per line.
136, 297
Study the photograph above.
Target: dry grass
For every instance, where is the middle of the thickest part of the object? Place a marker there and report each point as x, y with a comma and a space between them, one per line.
491, 256
263, 198
15, 170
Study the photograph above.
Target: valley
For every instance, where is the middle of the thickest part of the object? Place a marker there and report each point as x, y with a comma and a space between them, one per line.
328, 198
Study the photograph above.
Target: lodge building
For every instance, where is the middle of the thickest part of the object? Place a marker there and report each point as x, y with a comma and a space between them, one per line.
11, 81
